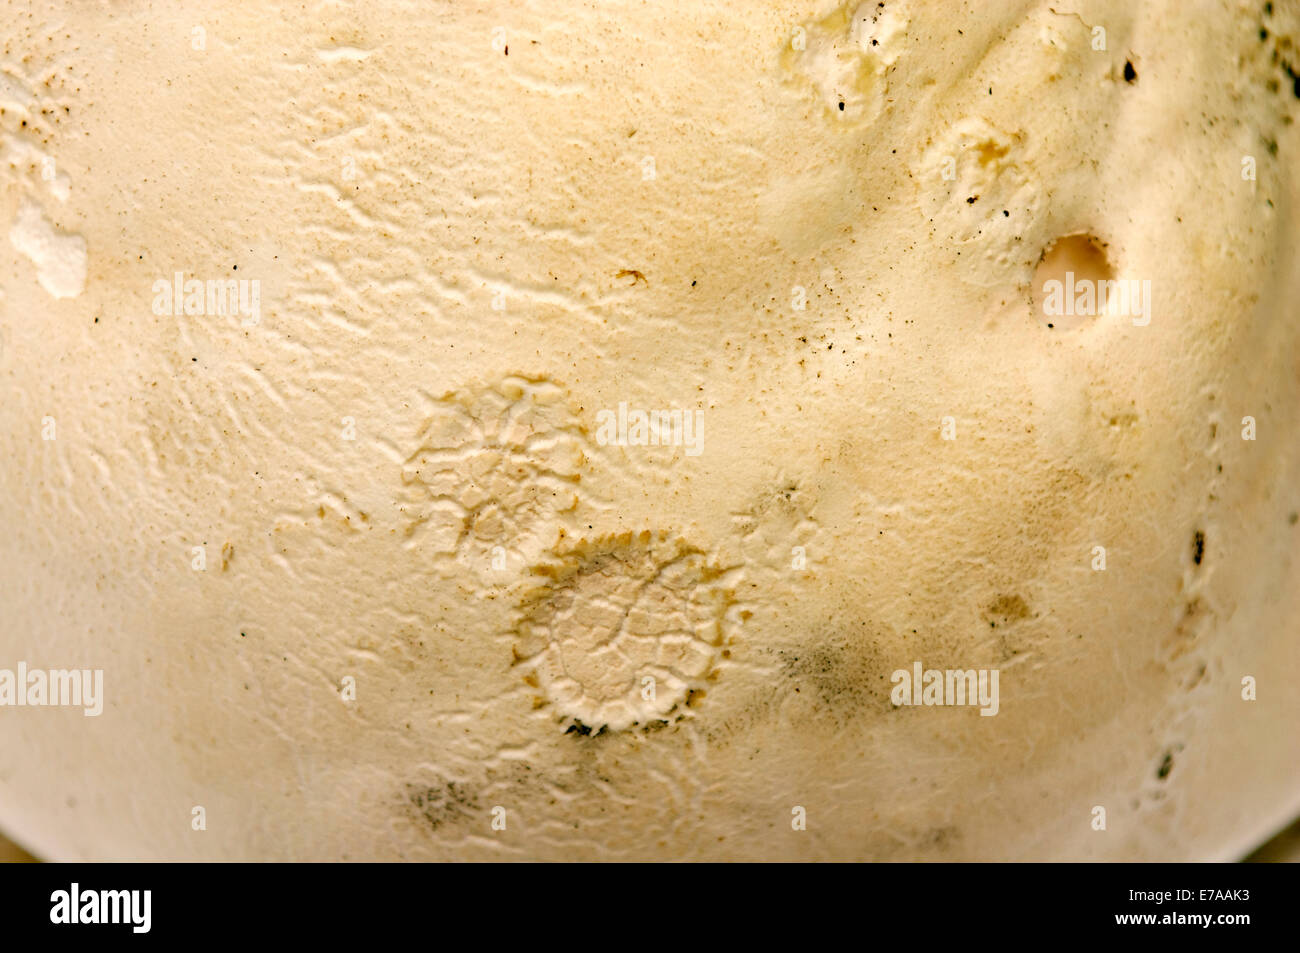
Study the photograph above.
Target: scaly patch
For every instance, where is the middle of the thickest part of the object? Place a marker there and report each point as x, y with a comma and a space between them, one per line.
626, 631
493, 473
844, 58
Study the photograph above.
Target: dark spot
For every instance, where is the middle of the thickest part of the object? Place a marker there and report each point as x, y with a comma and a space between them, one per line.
840, 676
1166, 765
1198, 547
1006, 214
1009, 608
972, 200
1130, 74
583, 731
1293, 518
841, 105
1189, 625
439, 805
941, 837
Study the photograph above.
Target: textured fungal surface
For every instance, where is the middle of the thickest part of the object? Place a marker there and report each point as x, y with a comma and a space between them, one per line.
495, 469
625, 632
609, 430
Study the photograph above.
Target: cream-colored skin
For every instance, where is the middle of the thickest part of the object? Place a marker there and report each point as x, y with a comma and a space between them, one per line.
477, 226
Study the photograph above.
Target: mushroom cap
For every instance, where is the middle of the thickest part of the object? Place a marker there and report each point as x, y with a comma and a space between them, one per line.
567, 433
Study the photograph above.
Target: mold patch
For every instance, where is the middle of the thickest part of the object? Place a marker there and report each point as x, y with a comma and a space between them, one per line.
493, 473
976, 187
440, 804
844, 57
626, 631
843, 676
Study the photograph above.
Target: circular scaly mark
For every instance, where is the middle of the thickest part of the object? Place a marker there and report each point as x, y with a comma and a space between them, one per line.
625, 632
494, 469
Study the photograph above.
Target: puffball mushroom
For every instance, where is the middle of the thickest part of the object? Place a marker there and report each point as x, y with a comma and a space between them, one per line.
579, 432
